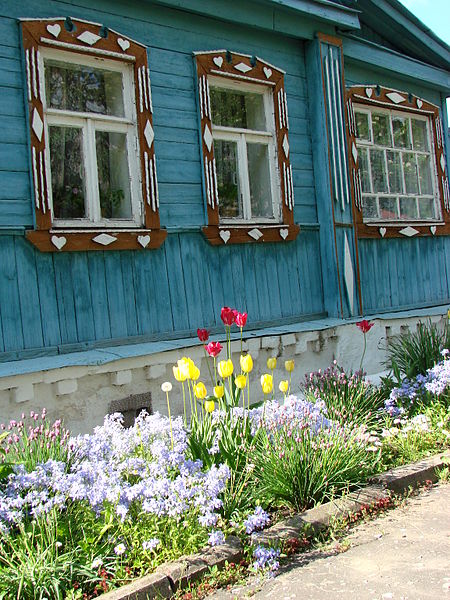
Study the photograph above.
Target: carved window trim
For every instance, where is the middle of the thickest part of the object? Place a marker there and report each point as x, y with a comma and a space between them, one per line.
374, 96
84, 38
247, 69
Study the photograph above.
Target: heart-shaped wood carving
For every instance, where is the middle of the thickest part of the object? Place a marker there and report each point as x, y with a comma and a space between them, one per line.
369, 92
58, 241
433, 229
218, 61
267, 72
124, 44
225, 235
284, 233
419, 103
144, 240
55, 29
382, 231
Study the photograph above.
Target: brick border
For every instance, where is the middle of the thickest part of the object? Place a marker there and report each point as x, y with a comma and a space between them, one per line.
169, 577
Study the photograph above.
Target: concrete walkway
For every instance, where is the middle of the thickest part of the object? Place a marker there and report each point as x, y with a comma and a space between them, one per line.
403, 555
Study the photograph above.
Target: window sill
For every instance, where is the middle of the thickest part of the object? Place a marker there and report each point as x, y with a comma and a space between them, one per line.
57, 240
252, 233
402, 230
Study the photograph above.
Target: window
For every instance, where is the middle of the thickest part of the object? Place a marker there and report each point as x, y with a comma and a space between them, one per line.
247, 173
92, 151
399, 177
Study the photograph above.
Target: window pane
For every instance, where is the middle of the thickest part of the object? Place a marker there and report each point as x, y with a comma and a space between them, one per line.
420, 134
426, 185
370, 210
113, 175
231, 108
83, 89
67, 168
427, 208
395, 172
381, 129
259, 176
230, 204
388, 208
378, 169
400, 126
364, 169
362, 126
410, 170
408, 208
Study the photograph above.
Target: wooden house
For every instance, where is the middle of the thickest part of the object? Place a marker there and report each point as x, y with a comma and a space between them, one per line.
162, 158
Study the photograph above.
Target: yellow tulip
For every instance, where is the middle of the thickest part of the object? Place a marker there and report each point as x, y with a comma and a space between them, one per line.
183, 365
209, 406
194, 373
267, 383
289, 366
284, 386
177, 373
272, 363
246, 363
200, 390
225, 368
219, 391
241, 381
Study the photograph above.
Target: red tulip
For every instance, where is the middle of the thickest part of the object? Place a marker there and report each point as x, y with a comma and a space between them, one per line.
240, 319
213, 348
364, 325
203, 335
227, 315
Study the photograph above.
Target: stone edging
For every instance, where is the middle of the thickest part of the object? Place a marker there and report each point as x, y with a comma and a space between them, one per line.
169, 577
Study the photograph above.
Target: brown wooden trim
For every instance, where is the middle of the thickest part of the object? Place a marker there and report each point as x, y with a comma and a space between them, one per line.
102, 43
64, 241
376, 96
329, 39
224, 63
223, 235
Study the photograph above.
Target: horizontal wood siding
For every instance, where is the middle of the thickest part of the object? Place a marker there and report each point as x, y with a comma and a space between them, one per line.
401, 273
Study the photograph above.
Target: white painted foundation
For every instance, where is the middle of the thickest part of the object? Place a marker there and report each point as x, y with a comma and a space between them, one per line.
81, 395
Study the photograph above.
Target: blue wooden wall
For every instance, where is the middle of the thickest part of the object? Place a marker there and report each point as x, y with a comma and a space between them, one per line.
76, 299
402, 272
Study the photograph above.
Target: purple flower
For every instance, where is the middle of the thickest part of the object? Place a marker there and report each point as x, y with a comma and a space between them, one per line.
266, 559
258, 520
150, 544
216, 538
120, 549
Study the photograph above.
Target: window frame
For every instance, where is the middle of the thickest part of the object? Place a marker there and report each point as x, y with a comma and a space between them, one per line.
84, 43
373, 98
229, 70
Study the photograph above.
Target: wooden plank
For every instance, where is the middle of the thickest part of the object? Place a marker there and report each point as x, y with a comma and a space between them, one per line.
82, 296
161, 308
127, 269
14, 185
175, 277
10, 299
115, 291
251, 283
13, 129
16, 213
99, 294
262, 278
13, 157
47, 299
12, 102
65, 299
29, 298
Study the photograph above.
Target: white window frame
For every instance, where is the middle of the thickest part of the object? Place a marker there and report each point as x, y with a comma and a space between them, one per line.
367, 145
89, 123
241, 137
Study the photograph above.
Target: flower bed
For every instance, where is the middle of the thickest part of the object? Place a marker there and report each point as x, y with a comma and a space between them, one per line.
82, 515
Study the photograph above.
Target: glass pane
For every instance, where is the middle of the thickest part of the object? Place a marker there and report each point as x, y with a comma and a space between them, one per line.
113, 175
427, 208
388, 208
381, 129
370, 210
400, 126
420, 134
362, 125
426, 185
364, 169
378, 168
408, 208
259, 175
230, 204
83, 89
231, 108
67, 168
395, 172
410, 170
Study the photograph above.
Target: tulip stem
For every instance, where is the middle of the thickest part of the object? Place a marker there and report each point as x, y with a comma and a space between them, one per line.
364, 351
184, 404
209, 366
170, 419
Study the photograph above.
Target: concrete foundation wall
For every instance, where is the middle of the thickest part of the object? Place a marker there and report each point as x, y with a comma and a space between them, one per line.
83, 395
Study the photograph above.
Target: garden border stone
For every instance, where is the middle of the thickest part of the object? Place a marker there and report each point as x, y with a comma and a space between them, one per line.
169, 577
